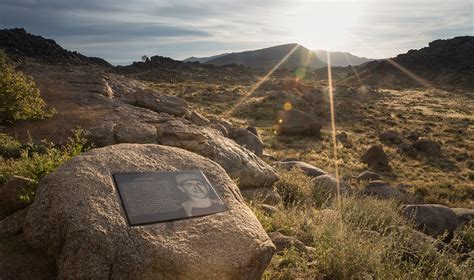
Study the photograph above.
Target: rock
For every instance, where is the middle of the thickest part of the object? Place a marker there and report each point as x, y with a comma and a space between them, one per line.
367, 176
413, 136
465, 215
325, 188
417, 243
265, 195
283, 242
219, 127
135, 132
19, 261
253, 130
229, 128
198, 119
77, 217
294, 122
160, 103
429, 147
383, 191
307, 168
390, 136
376, 158
12, 224
407, 149
133, 124
376, 183
249, 140
433, 219
10, 193
268, 209
343, 138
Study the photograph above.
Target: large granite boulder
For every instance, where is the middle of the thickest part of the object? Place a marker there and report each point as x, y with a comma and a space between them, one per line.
130, 124
77, 217
376, 158
433, 219
307, 168
294, 122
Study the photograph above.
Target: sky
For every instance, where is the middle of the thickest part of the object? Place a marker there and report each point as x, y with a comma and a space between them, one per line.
122, 31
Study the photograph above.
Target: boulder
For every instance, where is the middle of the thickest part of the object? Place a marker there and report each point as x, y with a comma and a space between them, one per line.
428, 147
384, 191
10, 193
254, 130
433, 219
413, 136
137, 125
160, 103
390, 136
376, 158
77, 217
12, 224
325, 189
249, 140
407, 149
307, 168
465, 215
198, 119
294, 122
343, 138
367, 176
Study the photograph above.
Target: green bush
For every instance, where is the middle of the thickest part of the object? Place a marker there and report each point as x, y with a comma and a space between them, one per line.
36, 163
19, 97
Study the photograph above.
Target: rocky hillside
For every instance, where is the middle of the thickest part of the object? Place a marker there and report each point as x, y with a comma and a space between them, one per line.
203, 59
20, 45
444, 63
269, 57
165, 69
342, 58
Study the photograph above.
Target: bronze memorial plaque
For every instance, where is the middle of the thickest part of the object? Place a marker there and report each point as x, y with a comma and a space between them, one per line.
150, 197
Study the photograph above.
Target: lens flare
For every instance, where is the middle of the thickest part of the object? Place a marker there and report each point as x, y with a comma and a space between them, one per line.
333, 130
257, 85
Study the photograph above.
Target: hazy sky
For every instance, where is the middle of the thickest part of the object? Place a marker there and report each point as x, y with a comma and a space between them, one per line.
123, 30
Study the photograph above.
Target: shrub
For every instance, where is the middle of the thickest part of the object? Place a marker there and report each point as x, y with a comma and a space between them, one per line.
294, 186
19, 97
33, 164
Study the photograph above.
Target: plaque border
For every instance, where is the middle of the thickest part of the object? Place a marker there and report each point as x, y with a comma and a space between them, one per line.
168, 220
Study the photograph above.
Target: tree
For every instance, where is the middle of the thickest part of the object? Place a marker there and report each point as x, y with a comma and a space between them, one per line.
19, 97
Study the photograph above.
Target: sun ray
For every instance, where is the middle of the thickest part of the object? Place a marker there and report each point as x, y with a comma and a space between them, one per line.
333, 130
354, 70
257, 85
407, 72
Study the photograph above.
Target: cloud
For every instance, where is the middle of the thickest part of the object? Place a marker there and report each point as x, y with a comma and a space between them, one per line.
121, 31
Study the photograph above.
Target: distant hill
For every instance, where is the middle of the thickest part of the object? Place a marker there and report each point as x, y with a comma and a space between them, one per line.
203, 59
19, 44
164, 69
342, 58
268, 57
444, 63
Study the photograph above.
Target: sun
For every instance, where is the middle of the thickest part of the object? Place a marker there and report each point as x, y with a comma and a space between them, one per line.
323, 25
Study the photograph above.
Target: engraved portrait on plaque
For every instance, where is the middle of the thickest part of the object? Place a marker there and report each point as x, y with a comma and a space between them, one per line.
150, 197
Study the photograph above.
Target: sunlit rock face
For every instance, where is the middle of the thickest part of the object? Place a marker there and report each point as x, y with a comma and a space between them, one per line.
77, 217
